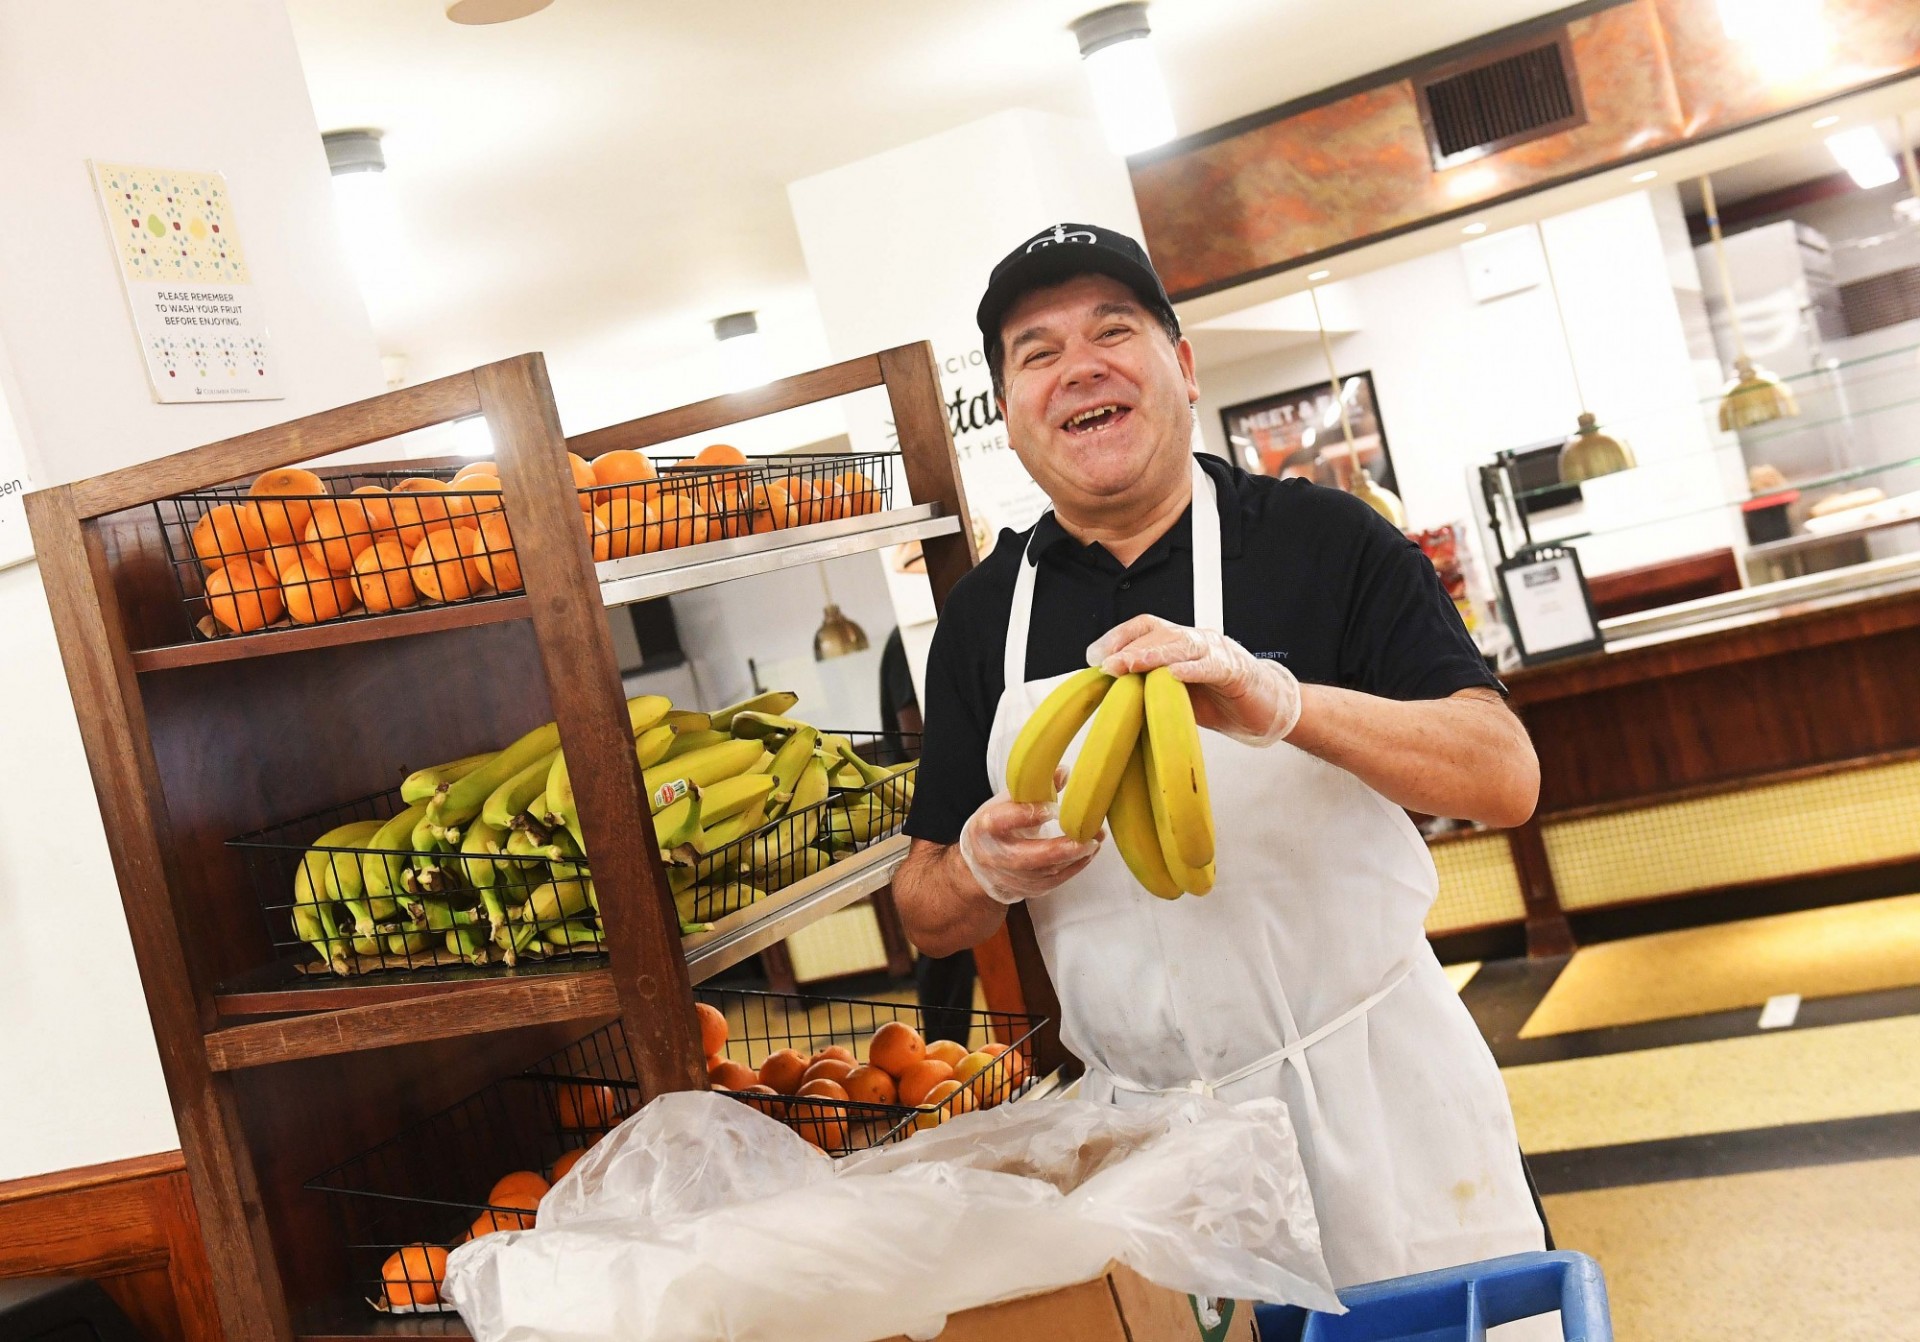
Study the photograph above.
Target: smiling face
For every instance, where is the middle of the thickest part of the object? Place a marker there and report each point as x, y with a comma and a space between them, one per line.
1098, 400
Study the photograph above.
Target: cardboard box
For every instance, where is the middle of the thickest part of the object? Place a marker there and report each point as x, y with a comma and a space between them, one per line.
1118, 1306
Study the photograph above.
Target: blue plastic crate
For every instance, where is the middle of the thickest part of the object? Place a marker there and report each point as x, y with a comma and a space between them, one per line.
1457, 1304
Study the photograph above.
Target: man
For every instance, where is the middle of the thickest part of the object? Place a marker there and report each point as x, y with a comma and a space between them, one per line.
1336, 686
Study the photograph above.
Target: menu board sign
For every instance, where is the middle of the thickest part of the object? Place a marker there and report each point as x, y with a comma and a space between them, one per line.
1548, 604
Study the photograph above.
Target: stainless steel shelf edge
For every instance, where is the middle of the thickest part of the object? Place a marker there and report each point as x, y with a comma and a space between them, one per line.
1857, 579
761, 925
644, 577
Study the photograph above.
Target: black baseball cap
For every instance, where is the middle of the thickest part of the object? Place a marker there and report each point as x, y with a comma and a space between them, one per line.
1060, 253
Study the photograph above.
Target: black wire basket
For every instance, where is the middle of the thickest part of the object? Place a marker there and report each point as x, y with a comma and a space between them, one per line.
711, 882
400, 1206
344, 907
789, 1027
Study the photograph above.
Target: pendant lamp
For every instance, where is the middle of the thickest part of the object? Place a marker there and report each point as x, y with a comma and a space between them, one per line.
1360, 483
837, 635
1755, 396
1589, 453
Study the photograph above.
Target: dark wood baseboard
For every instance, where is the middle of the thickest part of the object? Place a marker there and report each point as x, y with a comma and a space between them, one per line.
130, 1225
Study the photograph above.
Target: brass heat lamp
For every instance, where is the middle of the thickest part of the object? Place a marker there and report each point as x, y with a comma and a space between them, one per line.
1360, 482
1589, 453
837, 635
1754, 396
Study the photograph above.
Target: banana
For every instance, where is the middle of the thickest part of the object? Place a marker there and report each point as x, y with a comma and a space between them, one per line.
335, 875
679, 822
763, 726
313, 922
469, 944
715, 901
679, 877
870, 774
560, 798
731, 797
421, 784
795, 867
687, 720
1180, 770
705, 767
517, 794
479, 846
718, 835
1193, 880
1130, 822
788, 762
575, 936
1103, 759
1047, 734
436, 915
524, 843
652, 745
799, 827
686, 742
408, 943
767, 701
847, 778
557, 901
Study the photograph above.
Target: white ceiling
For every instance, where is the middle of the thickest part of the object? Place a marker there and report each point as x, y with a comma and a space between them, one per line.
610, 174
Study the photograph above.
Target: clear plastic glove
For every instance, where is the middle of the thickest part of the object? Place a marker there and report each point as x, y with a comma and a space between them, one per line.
1003, 846
1240, 695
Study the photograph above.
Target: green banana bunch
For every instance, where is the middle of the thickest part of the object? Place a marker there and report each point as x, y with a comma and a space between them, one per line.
322, 867
437, 915
1179, 770
1103, 759
422, 784
479, 848
468, 943
314, 924
1047, 734
408, 944
1130, 821
518, 793
557, 901
767, 701
576, 936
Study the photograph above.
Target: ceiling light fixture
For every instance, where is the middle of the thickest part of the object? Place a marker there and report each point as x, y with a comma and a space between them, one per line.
1129, 92
1832, 119
1360, 482
1589, 452
1319, 275
1785, 39
477, 12
1646, 176
1861, 152
743, 352
363, 203
1755, 396
1474, 230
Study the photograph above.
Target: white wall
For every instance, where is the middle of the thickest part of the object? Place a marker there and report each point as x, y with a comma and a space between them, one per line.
1458, 380
212, 85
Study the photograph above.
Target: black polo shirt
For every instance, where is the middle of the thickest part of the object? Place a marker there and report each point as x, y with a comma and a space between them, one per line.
1311, 577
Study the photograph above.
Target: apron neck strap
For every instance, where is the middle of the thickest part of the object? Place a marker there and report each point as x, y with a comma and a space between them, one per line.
1208, 603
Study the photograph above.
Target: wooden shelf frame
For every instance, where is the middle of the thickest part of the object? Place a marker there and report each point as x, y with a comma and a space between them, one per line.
189, 744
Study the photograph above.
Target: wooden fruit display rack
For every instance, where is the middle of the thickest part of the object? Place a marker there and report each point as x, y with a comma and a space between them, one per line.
192, 742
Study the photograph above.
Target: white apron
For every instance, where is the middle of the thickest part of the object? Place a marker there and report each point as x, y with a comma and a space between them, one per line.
1305, 974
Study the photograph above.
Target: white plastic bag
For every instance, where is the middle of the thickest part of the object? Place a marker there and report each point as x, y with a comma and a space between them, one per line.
702, 1219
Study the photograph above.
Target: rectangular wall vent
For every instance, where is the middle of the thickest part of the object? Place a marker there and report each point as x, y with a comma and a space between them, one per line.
1882, 300
1499, 99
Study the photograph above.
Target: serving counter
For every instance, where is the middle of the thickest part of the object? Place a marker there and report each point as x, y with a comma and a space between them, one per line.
1733, 756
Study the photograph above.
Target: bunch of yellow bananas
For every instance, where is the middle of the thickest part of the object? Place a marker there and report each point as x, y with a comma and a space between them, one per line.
1139, 772
487, 860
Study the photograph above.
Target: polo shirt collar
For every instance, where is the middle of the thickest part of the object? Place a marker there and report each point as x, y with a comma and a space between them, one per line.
1047, 532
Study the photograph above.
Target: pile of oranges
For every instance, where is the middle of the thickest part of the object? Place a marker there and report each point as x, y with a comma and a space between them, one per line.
291, 549
939, 1080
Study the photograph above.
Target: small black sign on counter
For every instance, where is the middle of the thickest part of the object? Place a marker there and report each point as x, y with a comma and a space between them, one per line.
1548, 604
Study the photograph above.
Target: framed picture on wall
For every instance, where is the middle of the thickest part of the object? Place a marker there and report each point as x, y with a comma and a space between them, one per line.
1298, 433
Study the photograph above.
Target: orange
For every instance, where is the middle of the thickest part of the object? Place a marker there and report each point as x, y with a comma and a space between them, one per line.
518, 1214
730, 1075
895, 1047
870, 1085
830, 502
763, 1100
972, 1065
823, 1088
313, 592
228, 532
835, 1070
820, 1125
583, 1106
339, 531
713, 1028
413, 515
490, 551
413, 1275
921, 1078
621, 528
947, 1051
862, 495
379, 511
949, 1093
583, 480
682, 521
622, 466
771, 508
243, 596
475, 496
840, 1051
380, 578
1016, 1068
440, 570
520, 1181
287, 517
783, 1071
472, 469
567, 1160
719, 454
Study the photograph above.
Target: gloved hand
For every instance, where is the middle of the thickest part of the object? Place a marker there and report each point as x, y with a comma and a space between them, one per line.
1239, 695
1002, 847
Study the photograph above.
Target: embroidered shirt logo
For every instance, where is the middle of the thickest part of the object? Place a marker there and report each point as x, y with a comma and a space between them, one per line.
1061, 233
1271, 656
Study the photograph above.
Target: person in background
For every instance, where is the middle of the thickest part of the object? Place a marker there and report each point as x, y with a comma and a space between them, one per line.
943, 984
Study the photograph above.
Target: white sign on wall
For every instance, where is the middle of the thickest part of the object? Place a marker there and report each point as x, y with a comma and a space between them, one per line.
202, 331
16, 546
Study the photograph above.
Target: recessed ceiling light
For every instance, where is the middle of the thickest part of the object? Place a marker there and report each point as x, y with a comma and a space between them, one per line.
1475, 229
1646, 176
1864, 155
1826, 121
476, 12
1129, 92
1319, 275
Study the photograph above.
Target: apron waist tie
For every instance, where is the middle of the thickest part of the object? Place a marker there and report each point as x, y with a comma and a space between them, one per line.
1291, 1053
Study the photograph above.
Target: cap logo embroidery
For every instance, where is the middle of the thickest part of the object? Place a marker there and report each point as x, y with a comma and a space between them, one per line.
1061, 233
